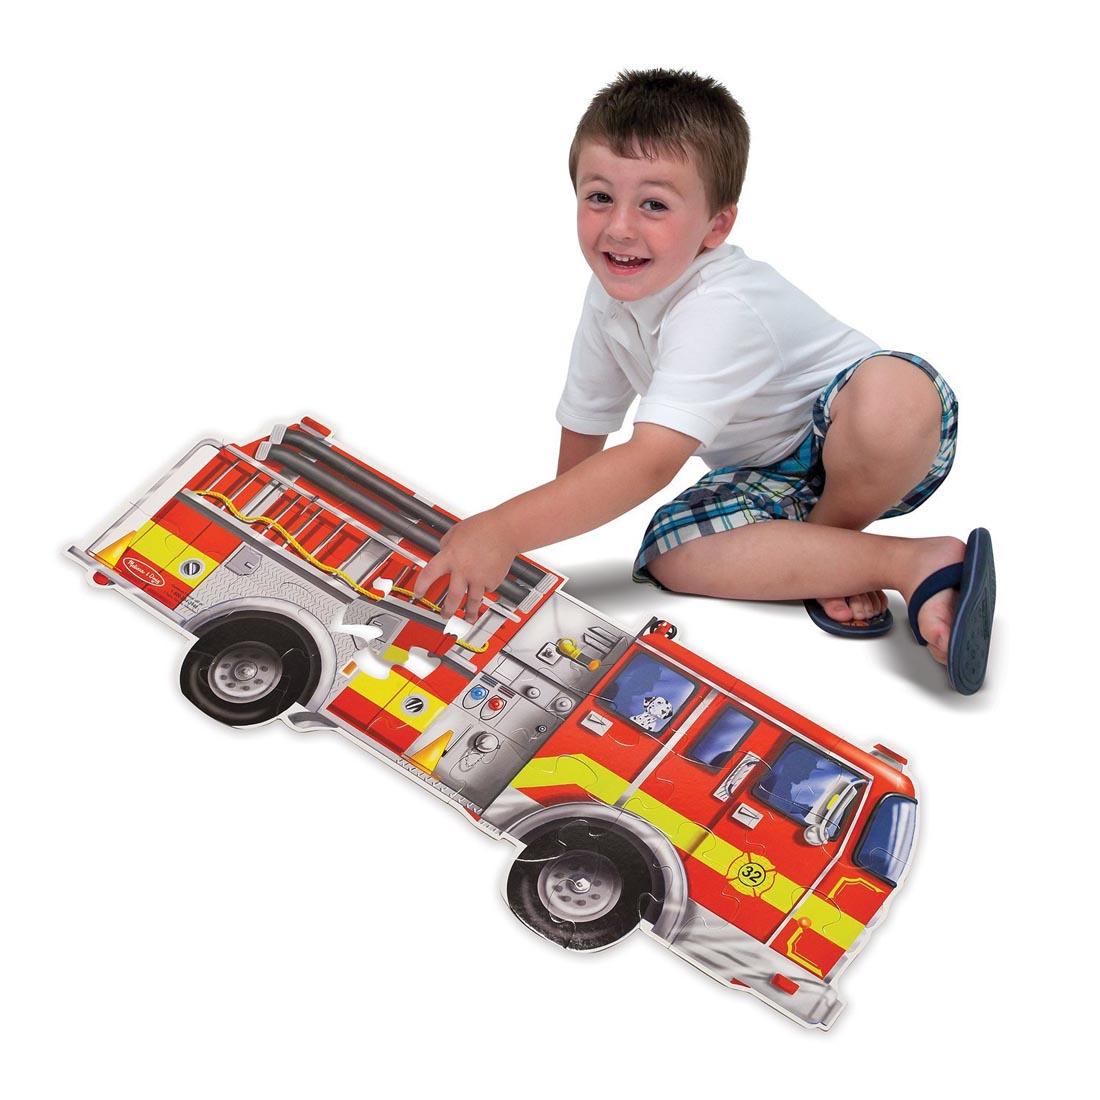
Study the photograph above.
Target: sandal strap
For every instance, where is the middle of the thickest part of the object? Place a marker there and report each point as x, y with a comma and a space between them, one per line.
950, 576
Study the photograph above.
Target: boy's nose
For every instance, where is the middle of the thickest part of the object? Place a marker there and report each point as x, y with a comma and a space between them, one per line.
621, 226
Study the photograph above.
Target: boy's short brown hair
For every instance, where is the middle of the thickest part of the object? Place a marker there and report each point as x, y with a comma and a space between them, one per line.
658, 111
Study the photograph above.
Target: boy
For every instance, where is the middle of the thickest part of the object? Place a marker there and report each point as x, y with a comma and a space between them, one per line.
799, 416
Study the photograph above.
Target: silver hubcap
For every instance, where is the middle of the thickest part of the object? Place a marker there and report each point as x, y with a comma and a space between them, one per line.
580, 886
245, 670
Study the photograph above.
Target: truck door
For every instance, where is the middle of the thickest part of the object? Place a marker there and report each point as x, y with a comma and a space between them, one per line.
774, 805
627, 719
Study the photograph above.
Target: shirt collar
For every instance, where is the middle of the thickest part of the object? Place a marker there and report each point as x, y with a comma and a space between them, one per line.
649, 312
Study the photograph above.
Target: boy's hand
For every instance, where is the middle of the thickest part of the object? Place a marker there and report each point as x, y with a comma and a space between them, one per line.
477, 553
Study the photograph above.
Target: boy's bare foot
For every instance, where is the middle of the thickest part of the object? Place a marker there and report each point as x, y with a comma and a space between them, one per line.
938, 613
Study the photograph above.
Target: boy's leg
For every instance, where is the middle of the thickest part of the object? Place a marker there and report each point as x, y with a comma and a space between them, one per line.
884, 432
785, 559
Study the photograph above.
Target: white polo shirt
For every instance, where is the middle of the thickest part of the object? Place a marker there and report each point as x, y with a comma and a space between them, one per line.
730, 354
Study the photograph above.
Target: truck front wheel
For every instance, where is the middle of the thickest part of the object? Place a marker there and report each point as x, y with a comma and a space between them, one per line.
581, 886
249, 669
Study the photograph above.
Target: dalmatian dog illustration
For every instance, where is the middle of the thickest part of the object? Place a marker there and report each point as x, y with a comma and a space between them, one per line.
657, 709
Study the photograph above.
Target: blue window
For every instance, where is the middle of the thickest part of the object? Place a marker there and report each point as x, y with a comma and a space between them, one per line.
888, 838
801, 782
715, 746
647, 693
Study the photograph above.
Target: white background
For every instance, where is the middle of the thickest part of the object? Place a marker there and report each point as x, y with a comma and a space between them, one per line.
217, 216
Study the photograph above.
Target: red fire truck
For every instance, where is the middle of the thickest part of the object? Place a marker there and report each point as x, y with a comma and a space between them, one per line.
641, 785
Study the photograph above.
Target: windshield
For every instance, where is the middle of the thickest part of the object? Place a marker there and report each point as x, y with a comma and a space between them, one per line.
801, 784
884, 849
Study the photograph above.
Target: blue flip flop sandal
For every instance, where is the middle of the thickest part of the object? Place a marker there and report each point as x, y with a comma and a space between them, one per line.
873, 627
976, 580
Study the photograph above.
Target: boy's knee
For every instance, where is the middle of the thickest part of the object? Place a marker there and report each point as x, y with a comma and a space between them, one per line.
886, 386
673, 570
888, 405
661, 572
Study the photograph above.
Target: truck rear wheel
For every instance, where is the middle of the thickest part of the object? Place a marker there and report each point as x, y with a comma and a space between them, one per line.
580, 885
250, 668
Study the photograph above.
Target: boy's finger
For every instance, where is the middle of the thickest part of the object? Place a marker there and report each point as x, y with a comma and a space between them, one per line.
473, 604
427, 577
455, 594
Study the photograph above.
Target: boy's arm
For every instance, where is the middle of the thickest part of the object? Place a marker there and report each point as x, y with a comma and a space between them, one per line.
478, 552
576, 447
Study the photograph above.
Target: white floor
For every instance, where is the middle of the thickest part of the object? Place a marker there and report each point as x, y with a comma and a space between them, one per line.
225, 217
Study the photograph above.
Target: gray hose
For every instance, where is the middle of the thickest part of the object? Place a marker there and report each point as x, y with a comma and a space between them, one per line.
400, 499
426, 539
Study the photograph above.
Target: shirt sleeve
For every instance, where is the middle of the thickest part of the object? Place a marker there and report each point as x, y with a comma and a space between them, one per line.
713, 353
597, 393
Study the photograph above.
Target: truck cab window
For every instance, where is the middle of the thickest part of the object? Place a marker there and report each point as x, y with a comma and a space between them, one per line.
715, 746
647, 693
884, 847
800, 783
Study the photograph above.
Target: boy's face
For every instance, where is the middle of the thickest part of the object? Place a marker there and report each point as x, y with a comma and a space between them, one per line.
640, 222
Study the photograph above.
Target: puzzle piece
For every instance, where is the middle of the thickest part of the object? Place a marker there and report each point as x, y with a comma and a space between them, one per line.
585, 885
478, 762
646, 693
406, 716
818, 934
165, 561
700, 923
751, 826
825, 916
459, 627
376, 656
363, 633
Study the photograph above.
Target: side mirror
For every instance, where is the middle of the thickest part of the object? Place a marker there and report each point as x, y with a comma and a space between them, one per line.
830, 810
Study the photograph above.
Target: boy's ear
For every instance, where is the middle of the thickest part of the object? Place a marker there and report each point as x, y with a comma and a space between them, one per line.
720, 226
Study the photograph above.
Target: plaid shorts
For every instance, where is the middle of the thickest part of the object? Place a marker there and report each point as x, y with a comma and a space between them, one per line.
734, 496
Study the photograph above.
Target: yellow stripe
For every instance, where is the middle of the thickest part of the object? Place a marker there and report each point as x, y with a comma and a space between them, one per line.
580, 771
376, 690
689, 836
828, 921
169, 551
694, 840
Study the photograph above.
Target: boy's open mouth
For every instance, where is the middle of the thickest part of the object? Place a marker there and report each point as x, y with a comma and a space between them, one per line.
623, 263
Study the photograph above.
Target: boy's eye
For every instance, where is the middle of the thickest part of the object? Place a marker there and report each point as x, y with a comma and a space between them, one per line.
600, 197
654, 204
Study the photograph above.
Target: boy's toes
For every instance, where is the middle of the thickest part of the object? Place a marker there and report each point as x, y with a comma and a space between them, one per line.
852, 616
866, 605
837, 609
858, 608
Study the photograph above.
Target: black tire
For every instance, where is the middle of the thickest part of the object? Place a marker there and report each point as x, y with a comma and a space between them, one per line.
543, 882
286, 661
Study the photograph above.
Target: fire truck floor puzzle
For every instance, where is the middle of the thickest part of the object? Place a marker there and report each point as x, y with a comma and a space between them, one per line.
640, 785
